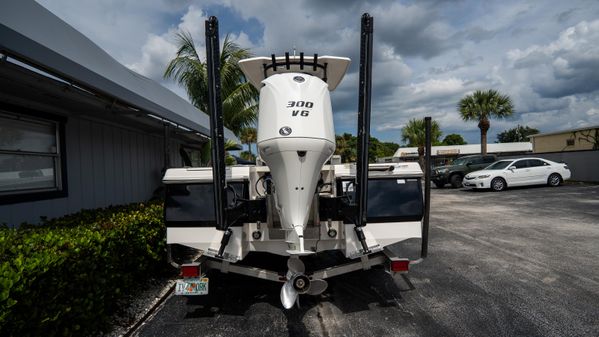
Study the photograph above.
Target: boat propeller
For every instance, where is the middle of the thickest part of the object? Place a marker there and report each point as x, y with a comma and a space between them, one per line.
298, 283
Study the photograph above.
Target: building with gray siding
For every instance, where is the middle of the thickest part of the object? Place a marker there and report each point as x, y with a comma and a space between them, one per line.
78, 130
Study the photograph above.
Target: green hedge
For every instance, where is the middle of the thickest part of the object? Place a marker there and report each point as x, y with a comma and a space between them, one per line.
65, 277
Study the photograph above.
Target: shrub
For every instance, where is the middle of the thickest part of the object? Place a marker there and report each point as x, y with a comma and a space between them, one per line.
64, 277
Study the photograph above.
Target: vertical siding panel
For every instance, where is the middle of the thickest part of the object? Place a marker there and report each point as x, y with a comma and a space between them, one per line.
154, 168
124, 165
134, 168
159, 157
60, 207
144, 166
42, 208
55, 208
23, 213
109, 169
115, 168
140, 167
151, 156
6, 215
127, 166
157, 165
87, 168
147, 176
150, 164
99, 175
118, 164
143, 174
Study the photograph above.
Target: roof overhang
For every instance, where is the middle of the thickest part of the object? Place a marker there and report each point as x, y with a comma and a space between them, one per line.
32, 34
559, 132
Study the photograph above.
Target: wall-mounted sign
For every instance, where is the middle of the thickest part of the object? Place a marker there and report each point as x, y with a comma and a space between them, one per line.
449, 151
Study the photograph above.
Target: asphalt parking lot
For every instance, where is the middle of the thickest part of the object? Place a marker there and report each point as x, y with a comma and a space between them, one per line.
523, 262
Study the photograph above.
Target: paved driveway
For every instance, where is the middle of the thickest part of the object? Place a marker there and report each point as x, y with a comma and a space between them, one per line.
524, 262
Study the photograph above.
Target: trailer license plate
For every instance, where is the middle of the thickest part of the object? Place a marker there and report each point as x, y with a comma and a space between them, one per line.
192, 286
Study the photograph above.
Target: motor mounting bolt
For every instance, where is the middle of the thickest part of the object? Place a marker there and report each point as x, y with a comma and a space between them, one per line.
332, 233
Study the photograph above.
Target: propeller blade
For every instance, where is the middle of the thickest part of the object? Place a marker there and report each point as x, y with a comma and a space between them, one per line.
317, 287
288, 295
295, 265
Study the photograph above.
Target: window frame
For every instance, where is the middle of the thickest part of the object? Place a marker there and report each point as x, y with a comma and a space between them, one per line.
20, 196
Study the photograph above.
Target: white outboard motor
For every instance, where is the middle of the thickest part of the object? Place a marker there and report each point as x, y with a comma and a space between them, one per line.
296, 137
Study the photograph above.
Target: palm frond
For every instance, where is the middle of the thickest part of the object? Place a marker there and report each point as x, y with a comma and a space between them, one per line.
239, 98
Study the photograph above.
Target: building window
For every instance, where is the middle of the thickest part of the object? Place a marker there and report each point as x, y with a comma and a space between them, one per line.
32, 163
570, 142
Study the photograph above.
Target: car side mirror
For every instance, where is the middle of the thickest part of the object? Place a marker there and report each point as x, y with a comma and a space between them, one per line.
511, 168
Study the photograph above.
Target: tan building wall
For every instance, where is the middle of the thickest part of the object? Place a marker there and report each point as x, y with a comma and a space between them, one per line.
567, 141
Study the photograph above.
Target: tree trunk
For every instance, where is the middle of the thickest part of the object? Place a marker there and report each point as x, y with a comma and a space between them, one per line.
484, 126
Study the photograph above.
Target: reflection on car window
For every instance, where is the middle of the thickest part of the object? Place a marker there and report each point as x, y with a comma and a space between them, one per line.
460, 161
499, 165
520, 164
535, 162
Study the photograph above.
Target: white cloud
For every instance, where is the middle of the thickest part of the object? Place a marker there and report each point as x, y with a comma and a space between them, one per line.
566, 66
427, 54
593, 112
158, 50
437, 88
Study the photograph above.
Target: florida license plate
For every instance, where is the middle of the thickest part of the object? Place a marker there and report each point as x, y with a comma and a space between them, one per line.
192, 286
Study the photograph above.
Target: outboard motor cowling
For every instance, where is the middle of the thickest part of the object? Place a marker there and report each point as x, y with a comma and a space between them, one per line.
295, 138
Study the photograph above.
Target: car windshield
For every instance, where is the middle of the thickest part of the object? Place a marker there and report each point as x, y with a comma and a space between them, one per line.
499, 165
460, 161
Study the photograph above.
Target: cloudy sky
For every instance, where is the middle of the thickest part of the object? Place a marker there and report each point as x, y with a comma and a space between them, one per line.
428, 54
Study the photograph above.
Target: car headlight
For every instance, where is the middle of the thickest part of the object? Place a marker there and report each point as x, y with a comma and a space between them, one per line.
484, 176
442, 170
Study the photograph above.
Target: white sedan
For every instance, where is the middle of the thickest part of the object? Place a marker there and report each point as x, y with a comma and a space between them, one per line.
518, 172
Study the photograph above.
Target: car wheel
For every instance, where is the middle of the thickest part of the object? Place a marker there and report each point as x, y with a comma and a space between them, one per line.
439, 185
498, 184
554, 180
456, 180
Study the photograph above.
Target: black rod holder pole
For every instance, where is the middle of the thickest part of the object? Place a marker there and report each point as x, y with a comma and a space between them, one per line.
365, 87
216, 122
427, 187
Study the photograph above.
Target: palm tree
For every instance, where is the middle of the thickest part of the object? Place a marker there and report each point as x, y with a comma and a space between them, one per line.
346, 147
239, 97
206, 152
414, 133
248, 136
482, 105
